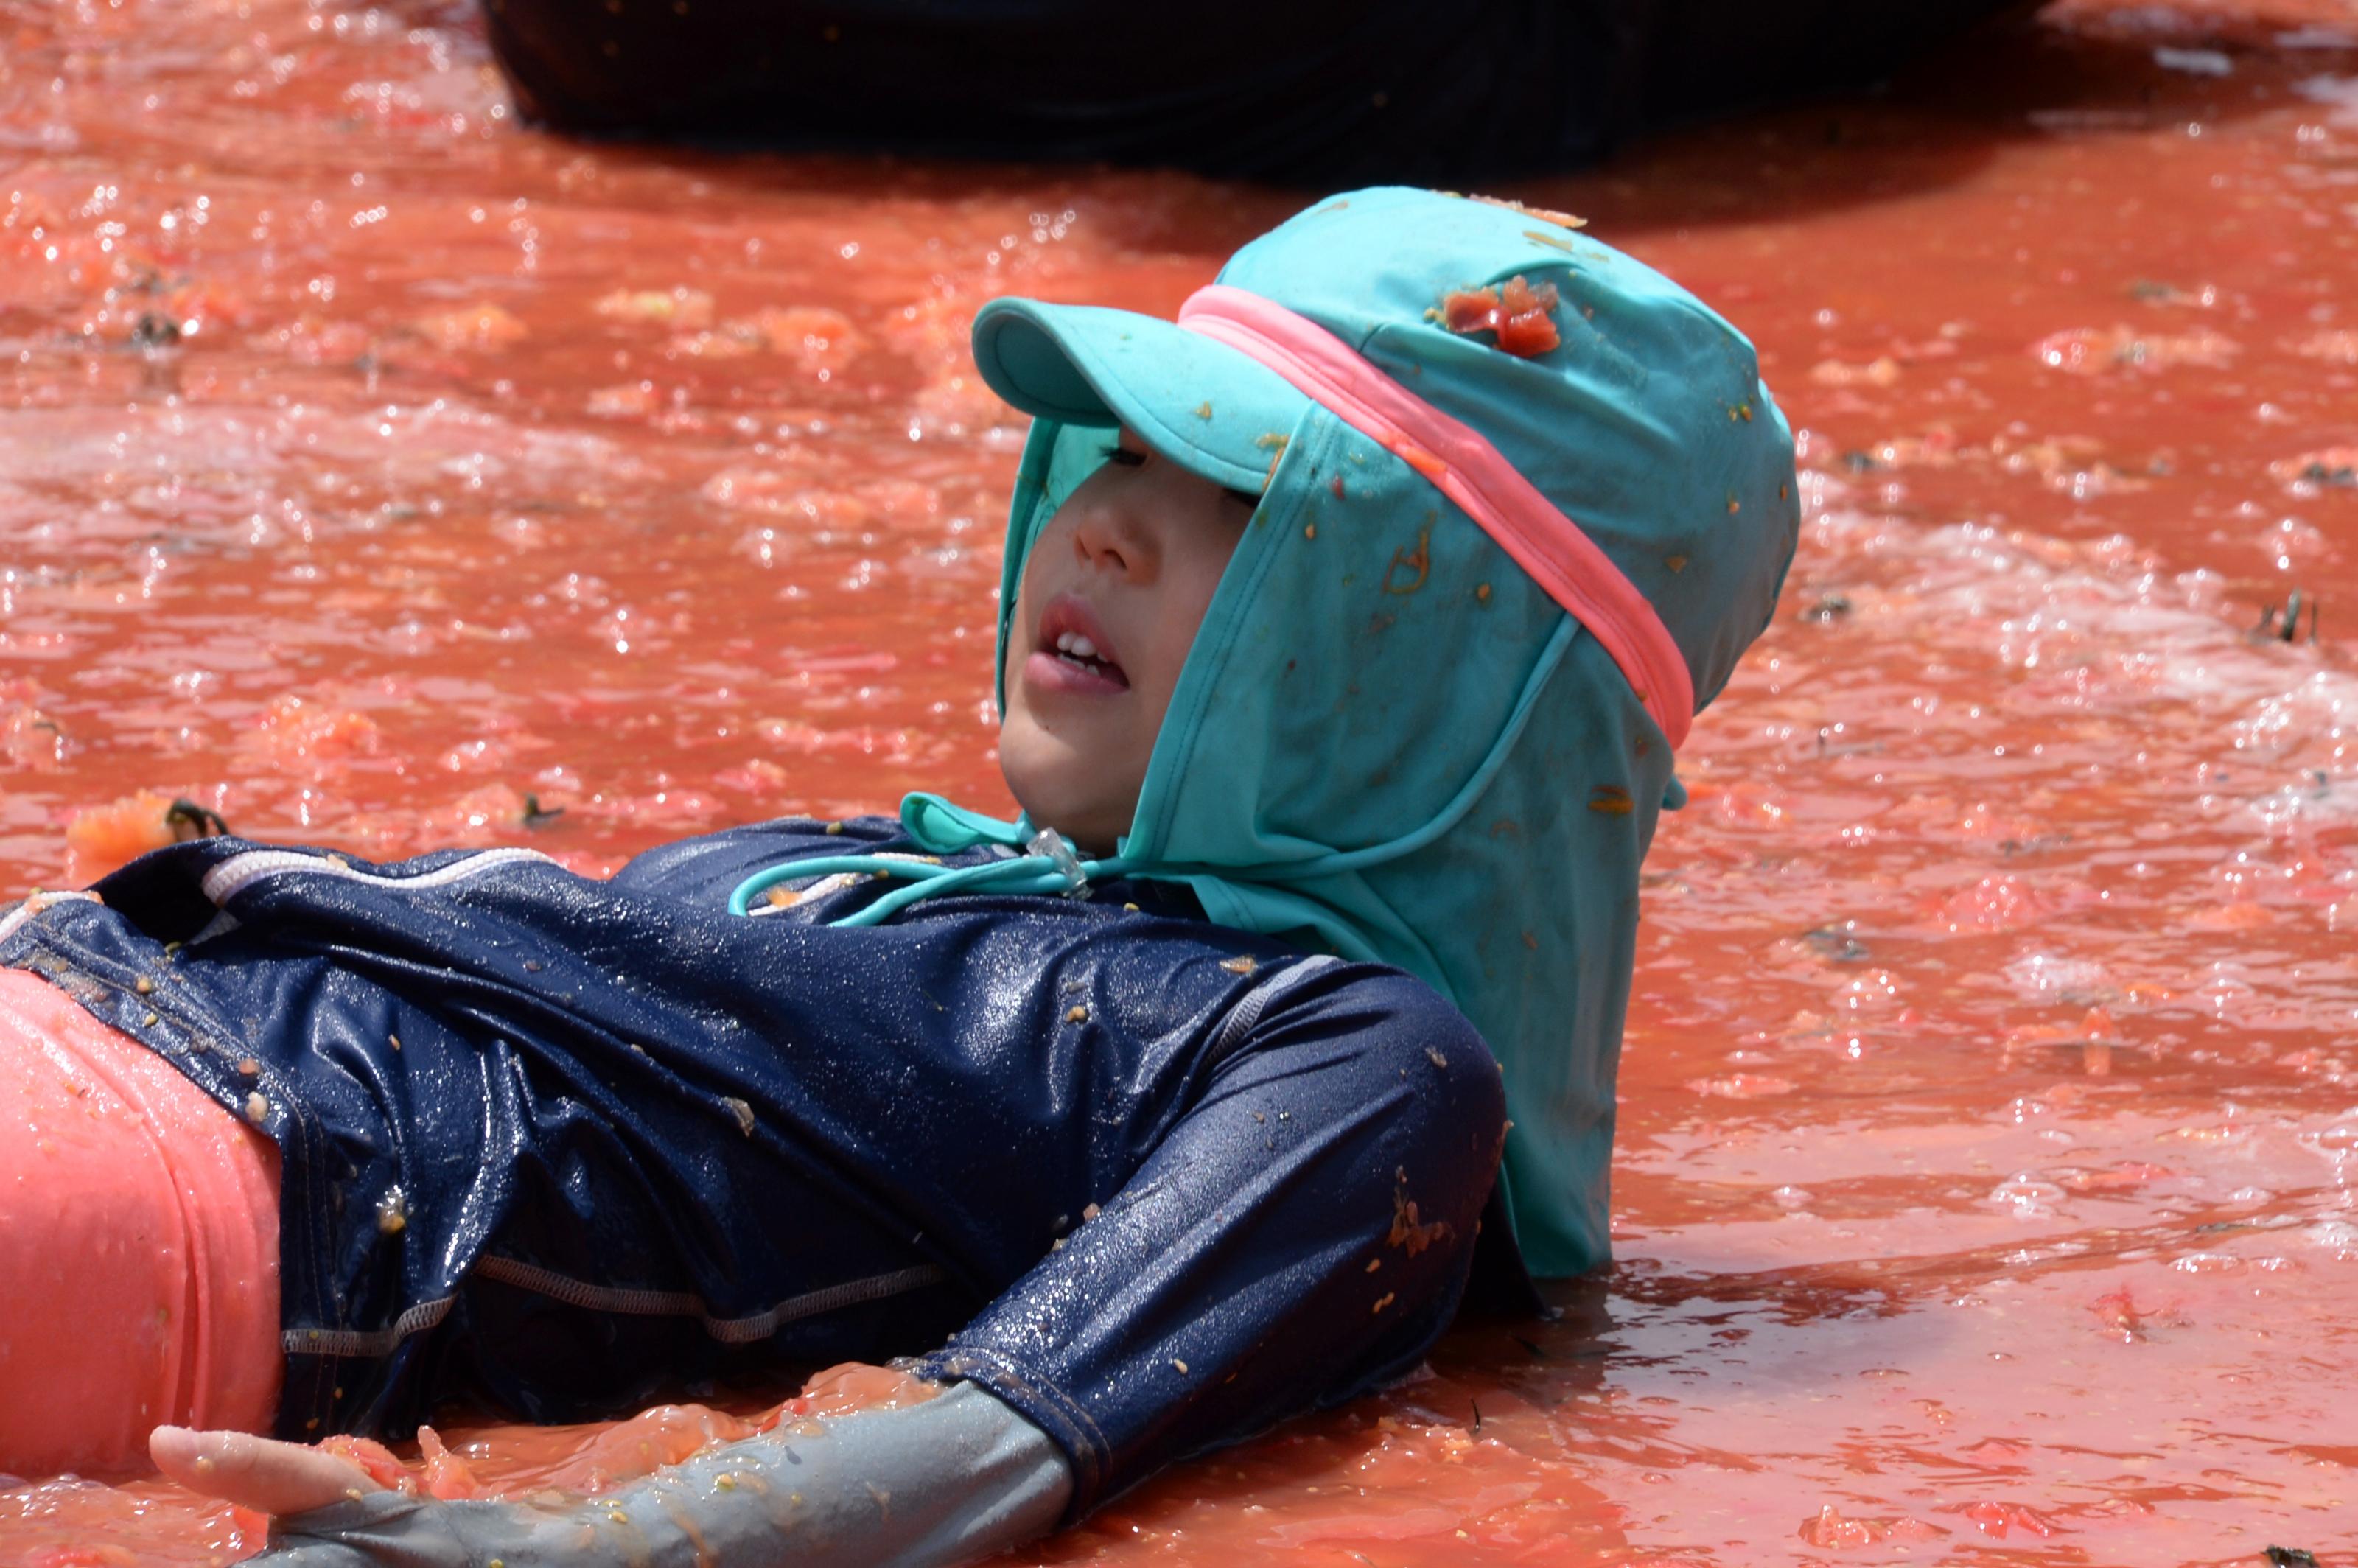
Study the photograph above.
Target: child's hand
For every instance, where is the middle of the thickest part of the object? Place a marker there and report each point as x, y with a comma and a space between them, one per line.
254, 1472
949, 1479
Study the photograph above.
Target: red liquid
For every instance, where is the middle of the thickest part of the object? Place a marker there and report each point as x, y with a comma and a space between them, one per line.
1985, 1180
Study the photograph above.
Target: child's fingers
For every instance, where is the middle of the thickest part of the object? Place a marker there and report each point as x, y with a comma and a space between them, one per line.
256, 1471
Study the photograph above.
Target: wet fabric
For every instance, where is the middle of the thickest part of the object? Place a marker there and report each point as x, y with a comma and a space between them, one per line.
951, 1480
1390, 741
138, 1245
562, 1144
1323, 93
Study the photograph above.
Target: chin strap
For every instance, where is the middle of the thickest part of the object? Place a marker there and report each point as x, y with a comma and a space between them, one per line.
1049, 864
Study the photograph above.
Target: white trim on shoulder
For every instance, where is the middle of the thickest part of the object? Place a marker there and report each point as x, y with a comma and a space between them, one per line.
1248, 1010
37, 903
378, 1343
239, 872
820, 888
836, 882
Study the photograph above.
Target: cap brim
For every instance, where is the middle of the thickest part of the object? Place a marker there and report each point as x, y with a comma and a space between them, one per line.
1201, 403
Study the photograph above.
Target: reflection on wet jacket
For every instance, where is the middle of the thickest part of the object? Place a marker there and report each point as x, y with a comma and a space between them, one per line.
563, 1144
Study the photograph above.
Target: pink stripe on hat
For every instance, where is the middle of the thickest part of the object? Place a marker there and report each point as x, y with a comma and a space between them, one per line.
1466, 467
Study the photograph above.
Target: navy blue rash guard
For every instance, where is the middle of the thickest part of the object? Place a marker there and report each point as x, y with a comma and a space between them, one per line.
560, 1144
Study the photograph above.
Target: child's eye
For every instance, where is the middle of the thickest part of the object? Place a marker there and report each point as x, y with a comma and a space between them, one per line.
1129, 458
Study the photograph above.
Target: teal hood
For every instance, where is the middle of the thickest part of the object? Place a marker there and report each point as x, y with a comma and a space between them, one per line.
1392, 739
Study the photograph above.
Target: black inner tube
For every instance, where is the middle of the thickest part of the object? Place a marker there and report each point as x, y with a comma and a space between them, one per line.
1301, 92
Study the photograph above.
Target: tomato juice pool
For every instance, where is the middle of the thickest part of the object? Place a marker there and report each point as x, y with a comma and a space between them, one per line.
377, 473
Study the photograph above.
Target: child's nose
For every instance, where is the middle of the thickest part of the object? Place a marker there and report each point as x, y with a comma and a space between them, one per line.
1109, 539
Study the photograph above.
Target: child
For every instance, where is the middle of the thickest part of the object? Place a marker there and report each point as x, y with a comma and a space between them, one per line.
1350, 621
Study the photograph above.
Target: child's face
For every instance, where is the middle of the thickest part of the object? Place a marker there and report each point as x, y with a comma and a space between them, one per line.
1115, 587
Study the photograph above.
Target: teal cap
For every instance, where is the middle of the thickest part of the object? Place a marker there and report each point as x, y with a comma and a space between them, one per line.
1391, 740
1198, 403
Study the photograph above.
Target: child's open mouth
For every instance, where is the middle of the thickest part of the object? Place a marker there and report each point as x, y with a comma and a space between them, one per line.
1074, 649
1070, 652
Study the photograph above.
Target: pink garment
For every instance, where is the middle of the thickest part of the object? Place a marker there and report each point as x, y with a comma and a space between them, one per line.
1463, 465
138, 1245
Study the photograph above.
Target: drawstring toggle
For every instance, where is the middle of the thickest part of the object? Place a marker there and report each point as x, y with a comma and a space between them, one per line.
1050, 845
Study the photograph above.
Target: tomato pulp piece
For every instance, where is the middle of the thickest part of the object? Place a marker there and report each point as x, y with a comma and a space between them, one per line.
1520, 314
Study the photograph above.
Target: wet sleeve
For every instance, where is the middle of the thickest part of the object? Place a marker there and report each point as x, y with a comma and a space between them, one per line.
1302, 1233
954, 1480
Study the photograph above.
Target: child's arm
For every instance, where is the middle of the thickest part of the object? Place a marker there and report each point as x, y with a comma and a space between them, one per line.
1300, 1233
956, 1478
